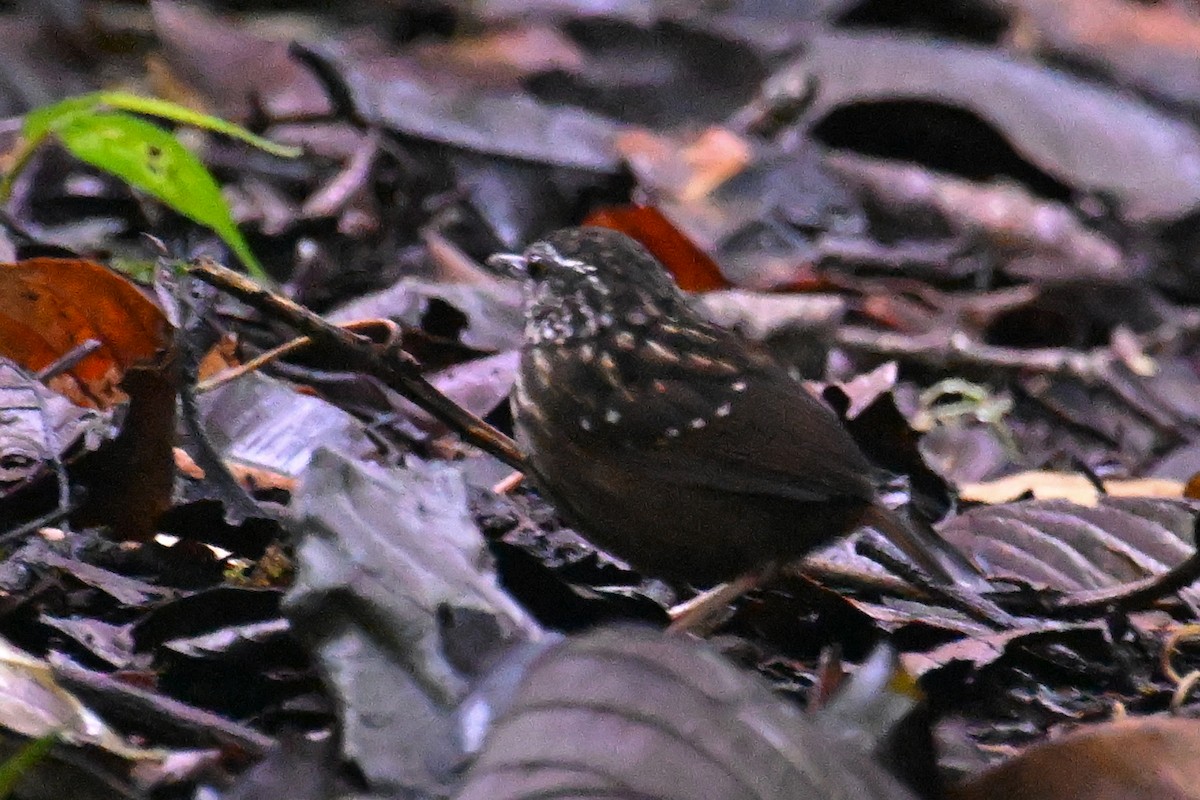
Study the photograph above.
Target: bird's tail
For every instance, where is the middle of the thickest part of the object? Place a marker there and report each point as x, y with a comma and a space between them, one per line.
927, 550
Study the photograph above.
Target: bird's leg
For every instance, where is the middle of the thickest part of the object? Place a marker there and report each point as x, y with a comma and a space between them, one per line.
699, 614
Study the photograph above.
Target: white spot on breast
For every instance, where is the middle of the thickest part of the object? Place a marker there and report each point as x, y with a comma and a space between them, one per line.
713, 366
522, 391
697, 423
671, 432
625, 340
586, 353
661, 352
612, 416
636, 318
724, 409
585, 423
541, 366
738, 386
608, 366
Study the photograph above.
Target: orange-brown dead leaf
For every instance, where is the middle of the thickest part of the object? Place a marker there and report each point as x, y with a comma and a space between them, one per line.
694, 271
221, 356
50, 306
1147, 757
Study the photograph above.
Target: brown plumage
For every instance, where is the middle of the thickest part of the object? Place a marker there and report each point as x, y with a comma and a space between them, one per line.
668, 441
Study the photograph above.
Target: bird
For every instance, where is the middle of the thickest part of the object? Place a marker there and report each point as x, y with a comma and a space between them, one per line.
670, 442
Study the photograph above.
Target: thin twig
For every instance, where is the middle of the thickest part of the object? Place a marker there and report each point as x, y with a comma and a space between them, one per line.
239, 503
1128, 596
391, 365
69, 360
970, 603
959, 350
252, 365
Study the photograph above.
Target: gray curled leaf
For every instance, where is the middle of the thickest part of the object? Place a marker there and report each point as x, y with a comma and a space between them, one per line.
1092, 138
478, 119
395, 595
628, 713
1068, 548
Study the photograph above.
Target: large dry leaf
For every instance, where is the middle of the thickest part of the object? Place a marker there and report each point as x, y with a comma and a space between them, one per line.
395, 94
1135, 759
236, 69
244, 420
1151, 47
627, 713
395, 596
1057, 545
1089, 137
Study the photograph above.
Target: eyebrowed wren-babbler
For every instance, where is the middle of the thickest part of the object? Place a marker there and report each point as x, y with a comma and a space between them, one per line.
668, 441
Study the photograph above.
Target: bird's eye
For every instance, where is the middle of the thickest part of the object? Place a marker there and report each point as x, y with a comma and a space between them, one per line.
536, 267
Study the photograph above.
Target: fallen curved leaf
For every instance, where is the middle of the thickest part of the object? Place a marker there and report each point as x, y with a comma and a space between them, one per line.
50, 306
1134, 759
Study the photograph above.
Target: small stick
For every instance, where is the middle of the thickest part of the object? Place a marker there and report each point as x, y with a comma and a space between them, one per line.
396, 368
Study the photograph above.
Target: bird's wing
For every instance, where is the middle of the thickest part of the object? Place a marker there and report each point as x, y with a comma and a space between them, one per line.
758, 432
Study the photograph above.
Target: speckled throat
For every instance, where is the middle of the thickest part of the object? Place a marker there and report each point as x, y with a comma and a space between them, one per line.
577, 298
614, 351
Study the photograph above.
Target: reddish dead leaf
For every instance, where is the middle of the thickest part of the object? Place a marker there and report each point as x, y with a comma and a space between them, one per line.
693, 270
51, 306
1132, 759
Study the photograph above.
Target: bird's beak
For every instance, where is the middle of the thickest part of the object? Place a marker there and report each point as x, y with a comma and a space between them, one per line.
509, 265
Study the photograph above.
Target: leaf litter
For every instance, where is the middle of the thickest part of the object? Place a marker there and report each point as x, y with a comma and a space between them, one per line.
970, 229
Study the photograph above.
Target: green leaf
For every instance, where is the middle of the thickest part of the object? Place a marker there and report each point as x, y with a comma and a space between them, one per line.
40, 121
96, 135
37, 125
149, 158
186, 116
24, 760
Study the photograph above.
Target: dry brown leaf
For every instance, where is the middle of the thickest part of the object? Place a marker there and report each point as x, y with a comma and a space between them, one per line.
1134, 759
1064, 486
50, 306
